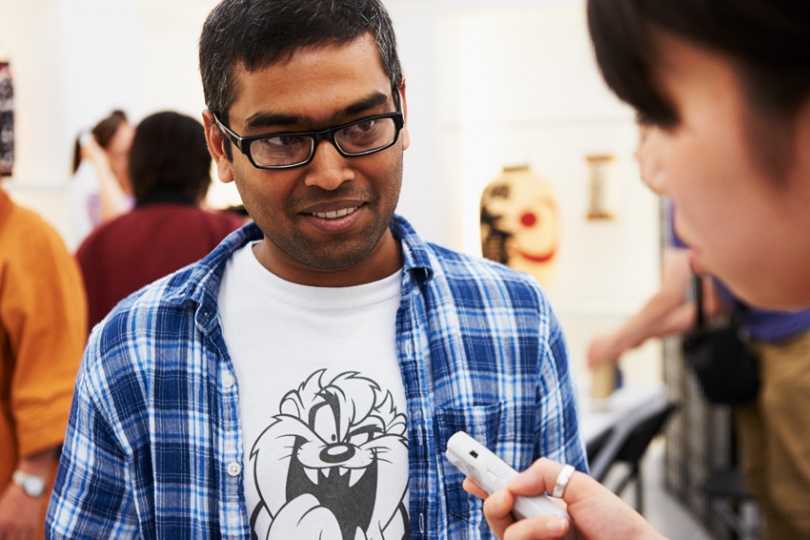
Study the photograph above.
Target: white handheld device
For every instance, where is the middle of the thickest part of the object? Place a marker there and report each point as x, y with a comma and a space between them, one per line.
492, 473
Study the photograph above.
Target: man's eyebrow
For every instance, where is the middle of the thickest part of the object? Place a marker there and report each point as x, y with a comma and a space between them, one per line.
264, 120
374, 100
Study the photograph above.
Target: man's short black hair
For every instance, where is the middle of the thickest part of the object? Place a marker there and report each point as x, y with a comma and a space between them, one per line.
259, 33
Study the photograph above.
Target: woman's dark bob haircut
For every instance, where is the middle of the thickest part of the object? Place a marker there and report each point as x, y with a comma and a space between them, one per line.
767, 41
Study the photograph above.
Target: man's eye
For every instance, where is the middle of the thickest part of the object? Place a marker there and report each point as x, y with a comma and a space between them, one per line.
362, 128
368, 125
283, 140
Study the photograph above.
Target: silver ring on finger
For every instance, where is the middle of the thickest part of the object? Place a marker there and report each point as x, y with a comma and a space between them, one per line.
562, 481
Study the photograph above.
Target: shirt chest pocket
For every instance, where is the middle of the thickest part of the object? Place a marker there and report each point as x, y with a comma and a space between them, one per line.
486, 424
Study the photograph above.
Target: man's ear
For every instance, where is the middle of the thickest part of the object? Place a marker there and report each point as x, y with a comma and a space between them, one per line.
404, 134
216, 141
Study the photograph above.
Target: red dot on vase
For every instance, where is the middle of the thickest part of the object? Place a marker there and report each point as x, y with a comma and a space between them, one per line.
528, 219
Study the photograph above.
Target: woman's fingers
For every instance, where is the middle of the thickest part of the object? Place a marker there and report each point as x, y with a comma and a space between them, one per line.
542, 476
474, 489
498, 511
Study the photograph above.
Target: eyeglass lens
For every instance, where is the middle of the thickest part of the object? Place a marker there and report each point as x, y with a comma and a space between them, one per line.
362, 137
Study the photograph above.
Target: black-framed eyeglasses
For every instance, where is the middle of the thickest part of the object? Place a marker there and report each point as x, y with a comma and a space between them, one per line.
287, 150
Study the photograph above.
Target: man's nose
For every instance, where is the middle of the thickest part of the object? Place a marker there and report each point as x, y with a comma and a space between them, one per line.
328, 168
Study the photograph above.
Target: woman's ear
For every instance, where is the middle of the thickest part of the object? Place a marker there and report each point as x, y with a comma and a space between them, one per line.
216, 146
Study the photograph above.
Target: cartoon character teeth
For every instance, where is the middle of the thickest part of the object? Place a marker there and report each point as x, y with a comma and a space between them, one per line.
355, 476
336, 440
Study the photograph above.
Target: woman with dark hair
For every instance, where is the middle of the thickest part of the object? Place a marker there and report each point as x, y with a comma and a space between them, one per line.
100, 189
725, 86
170, 169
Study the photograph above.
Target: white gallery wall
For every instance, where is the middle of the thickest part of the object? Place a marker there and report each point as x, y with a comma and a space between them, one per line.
489, 84
73, 61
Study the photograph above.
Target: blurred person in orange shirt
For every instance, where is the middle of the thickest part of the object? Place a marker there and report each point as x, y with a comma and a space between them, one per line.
43, 329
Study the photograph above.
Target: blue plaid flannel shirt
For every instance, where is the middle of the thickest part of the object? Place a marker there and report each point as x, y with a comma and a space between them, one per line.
154, 449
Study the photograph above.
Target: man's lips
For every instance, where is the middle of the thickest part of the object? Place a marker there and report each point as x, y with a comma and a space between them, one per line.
335, 214
333, 210
334, 218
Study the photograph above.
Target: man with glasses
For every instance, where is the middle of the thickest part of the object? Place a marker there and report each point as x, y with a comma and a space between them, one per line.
286, 150
303, 379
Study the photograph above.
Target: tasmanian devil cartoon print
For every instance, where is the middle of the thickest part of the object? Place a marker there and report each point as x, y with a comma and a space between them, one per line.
330, 464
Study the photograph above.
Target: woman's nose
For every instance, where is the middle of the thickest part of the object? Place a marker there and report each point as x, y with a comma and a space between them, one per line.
657, 182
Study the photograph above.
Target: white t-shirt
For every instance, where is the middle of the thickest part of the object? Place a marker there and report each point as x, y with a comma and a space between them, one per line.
322, 404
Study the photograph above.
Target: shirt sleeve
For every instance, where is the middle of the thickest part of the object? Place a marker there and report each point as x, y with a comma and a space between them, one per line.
44, 314
91, 496
559, 437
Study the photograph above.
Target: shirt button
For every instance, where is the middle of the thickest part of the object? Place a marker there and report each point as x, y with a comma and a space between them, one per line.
228, 380
234, 469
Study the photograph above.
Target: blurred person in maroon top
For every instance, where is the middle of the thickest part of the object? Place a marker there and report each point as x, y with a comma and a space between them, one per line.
170, 170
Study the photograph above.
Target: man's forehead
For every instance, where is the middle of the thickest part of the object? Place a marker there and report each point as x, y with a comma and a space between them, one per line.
316, 85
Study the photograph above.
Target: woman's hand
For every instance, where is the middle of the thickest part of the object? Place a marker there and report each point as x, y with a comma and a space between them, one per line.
595, 511
93, 151
602, 350
114, 198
